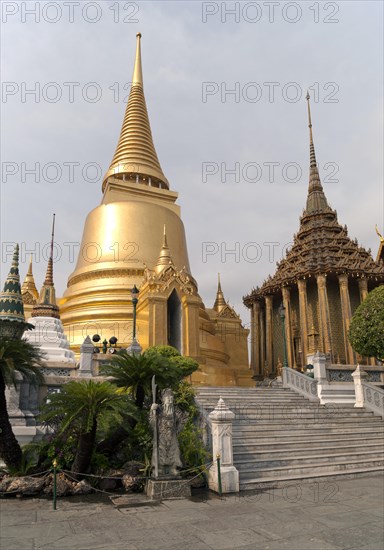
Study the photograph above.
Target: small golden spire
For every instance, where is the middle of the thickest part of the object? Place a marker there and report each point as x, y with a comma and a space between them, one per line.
165, 258
28, 286
220, 302
165, 242
135, 157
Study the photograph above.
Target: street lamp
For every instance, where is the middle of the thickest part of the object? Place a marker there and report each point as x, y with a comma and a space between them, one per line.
134, 348
135, 299
282, 317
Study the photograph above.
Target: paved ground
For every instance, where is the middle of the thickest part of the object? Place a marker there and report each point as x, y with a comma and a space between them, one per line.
336, 515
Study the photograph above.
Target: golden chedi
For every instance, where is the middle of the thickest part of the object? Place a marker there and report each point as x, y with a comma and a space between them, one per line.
136, 237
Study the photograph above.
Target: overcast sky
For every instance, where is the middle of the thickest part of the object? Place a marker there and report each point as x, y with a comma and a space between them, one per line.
194, 54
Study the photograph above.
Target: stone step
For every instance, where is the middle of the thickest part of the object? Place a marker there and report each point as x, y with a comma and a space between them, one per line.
246, 463
294, 408
257, 397
284, 449
277, 430
256, 484
280, 437
282, 419
261, 403
302, 469
293, 438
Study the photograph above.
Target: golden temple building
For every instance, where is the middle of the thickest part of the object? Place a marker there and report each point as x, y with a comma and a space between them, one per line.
136, 237
315, 290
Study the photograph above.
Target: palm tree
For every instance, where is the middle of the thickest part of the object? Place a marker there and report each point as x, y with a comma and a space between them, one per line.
82, 407
134, 373
16, 356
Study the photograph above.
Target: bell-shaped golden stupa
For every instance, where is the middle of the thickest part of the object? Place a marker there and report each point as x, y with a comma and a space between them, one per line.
136, 237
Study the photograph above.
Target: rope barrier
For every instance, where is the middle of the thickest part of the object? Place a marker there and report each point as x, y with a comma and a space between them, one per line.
67, 473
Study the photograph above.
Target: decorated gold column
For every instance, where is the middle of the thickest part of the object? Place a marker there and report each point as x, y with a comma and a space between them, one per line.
324, 324
303, 308
269, 331
255, 347
363, 288
288, 324
191, 305
262, 339
346, 316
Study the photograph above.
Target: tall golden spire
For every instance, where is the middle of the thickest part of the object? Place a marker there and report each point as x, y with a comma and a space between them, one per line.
220, 300
316, 199
135, 158
46, 305
28, 288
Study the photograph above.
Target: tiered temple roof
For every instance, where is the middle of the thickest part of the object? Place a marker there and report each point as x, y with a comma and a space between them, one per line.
321, 246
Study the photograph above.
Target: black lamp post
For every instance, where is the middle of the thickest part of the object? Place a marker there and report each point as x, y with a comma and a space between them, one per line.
282, 317
135, 299
134, 348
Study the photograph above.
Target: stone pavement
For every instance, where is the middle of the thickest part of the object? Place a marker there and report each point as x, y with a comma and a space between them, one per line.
333, 515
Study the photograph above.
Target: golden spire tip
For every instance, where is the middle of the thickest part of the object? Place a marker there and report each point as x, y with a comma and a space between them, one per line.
137, 77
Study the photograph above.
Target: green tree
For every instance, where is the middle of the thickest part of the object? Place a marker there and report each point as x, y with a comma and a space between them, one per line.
134, 374
185, 366
83, 406
366, 332
16, 356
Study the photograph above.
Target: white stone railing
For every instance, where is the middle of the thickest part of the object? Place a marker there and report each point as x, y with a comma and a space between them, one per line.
373, 398
300, 383
343, 373
367, 395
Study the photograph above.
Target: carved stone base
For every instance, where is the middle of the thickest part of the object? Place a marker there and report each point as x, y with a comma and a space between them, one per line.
168, 489
229, 479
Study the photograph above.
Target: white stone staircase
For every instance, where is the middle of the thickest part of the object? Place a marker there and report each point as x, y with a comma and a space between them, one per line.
281, 437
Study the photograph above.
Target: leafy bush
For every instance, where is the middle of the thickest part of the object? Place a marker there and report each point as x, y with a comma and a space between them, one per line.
366, 332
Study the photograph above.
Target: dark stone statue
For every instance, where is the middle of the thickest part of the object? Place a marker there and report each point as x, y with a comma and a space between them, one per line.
166, 421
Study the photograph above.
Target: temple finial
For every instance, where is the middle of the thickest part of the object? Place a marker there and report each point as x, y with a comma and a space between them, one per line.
49, 274
165, 241
309, 118
220, 302
29, 272
137, 77
165, 258
46, 305
28, 288
135, 159
379, 234
316, 198
311, 145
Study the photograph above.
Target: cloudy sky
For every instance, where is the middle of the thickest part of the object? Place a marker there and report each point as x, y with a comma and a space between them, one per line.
225, 85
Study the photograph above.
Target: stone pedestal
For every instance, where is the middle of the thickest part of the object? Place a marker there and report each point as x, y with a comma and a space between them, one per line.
222, 418
49, 335
86, 358
166, 489
359, 375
